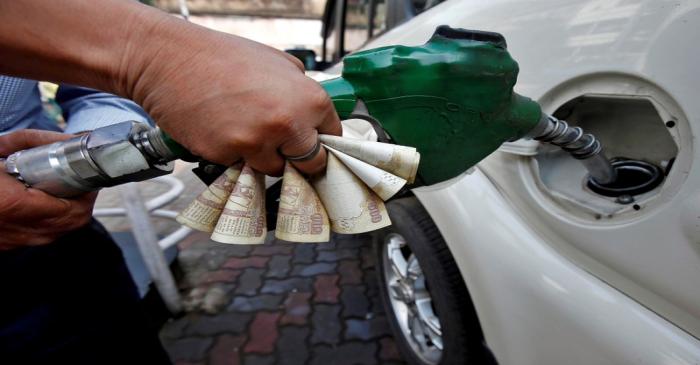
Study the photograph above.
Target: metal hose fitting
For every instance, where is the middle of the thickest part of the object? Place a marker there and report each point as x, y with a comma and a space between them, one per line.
150, 141
582, 146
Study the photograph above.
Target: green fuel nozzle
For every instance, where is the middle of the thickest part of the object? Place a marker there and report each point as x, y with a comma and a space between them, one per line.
452, 98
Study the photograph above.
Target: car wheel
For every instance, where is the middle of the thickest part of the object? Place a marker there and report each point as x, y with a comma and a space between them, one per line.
424, 295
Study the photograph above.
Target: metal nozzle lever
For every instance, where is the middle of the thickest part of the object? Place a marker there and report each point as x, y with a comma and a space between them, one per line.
582, 146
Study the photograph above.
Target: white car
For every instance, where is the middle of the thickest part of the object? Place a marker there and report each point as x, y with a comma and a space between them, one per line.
518, 261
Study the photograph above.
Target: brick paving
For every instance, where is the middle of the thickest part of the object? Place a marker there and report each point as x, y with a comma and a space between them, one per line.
277, 303
281, 304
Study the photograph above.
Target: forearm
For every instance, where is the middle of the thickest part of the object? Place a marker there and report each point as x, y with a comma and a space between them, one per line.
104, 44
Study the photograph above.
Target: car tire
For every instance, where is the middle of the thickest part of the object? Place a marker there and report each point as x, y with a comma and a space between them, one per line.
422, 244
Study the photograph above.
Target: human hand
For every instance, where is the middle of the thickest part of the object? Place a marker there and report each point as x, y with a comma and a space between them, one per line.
29, 216
224, 97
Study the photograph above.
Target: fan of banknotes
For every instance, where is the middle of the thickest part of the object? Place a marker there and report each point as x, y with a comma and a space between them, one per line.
348, 198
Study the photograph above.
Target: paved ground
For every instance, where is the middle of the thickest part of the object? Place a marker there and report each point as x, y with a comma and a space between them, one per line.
277, 303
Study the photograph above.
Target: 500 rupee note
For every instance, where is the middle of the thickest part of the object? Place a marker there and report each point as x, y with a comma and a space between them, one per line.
351, 206
242, 220
301, 216
383, 183
203, 213
401, 161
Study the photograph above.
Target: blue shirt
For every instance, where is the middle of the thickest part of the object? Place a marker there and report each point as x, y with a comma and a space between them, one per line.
83, 109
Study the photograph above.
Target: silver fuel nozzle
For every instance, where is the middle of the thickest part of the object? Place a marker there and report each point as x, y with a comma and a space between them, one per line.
107, 156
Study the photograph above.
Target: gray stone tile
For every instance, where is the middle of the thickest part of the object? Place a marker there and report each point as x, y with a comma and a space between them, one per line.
354, 241
189, 349
372, 289
259, 360
256, 303
352, 353
350, 272
368, 257
227, 322
249, 281
220, 249
314, 269
332, 245
291, 346
304, 253
337, 255
366, 329
279, 267
355, 303
325, 322
273, 286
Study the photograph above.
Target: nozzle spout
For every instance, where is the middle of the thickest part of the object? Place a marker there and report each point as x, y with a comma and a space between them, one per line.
582, 146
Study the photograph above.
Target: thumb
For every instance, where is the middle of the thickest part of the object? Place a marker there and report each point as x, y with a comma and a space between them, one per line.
28, 138
20, 200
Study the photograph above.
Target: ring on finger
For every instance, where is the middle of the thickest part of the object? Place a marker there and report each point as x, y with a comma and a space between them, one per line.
306, 156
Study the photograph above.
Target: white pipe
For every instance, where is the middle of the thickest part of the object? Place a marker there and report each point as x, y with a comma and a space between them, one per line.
166, 241
174, 237
150, 247
176, 188
151, 251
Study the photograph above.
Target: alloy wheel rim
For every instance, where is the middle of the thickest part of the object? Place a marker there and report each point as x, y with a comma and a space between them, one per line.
410, 299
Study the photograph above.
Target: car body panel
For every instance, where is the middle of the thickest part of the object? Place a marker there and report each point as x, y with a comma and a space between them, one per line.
535, 306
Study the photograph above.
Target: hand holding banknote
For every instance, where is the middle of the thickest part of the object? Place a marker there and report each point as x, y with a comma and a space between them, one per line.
347, 198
